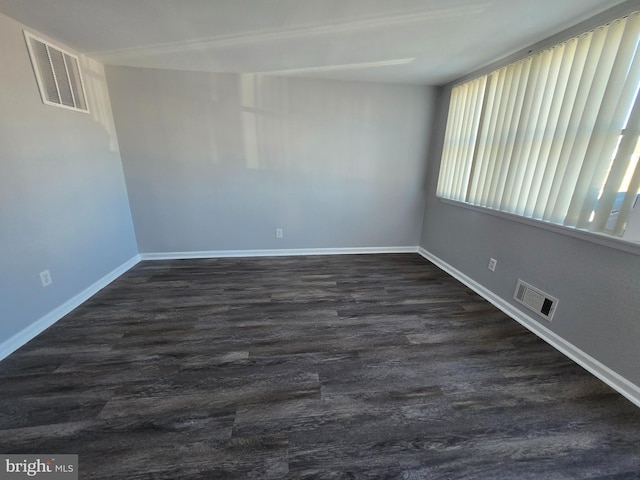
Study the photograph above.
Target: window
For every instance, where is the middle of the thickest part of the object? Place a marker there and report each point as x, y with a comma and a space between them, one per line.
553, 136
58, 75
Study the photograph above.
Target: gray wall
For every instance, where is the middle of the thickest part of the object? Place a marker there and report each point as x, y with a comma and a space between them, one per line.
63, 201
219, 161
598, 286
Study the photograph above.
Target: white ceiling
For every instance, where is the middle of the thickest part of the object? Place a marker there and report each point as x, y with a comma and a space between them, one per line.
407, 41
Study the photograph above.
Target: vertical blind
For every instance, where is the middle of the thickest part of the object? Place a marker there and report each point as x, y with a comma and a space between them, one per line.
553, 136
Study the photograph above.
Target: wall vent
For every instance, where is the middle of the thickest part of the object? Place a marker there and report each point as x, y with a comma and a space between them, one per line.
58, 74
538, 301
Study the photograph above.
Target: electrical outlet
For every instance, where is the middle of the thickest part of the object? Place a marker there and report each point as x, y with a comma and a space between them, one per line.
45, 278
279, 233
492, 264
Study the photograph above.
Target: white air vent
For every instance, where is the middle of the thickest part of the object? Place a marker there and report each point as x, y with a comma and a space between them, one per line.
536, 300
58, 75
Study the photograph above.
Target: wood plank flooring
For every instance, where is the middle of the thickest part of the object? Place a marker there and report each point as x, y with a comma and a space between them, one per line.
328, 367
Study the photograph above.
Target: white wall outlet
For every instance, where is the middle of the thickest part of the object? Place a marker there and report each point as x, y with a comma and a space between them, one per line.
279, 233
492, 264
45, 278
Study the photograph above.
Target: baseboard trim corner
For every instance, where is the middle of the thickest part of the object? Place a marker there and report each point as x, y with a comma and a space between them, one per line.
31, 331
274, 252
616, 381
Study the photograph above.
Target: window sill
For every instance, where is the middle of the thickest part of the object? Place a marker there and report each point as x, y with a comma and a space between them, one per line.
598, 238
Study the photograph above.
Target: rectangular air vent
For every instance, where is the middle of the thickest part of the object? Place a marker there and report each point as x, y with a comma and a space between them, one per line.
58, 74
538, 301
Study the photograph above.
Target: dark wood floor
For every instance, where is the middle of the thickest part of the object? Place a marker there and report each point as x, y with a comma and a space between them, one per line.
360, 366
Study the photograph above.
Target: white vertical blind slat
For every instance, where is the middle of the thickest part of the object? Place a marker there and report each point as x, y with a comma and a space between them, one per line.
472, 134
484, 143
457, 147
505, 127
623, 81
448, 153
549, 114
628, 202
465, 146
496, 132
583, 117
520, 145
566, 121
534, 134
618, 169
452, 141
509, 161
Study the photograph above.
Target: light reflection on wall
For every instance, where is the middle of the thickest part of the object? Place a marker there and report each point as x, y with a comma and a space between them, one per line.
286, 128
98, 98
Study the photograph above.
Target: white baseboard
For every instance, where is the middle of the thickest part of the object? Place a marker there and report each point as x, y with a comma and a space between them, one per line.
616, 381
274, 252
19, 339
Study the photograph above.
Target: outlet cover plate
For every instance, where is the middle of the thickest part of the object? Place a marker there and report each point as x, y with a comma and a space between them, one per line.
45, 278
